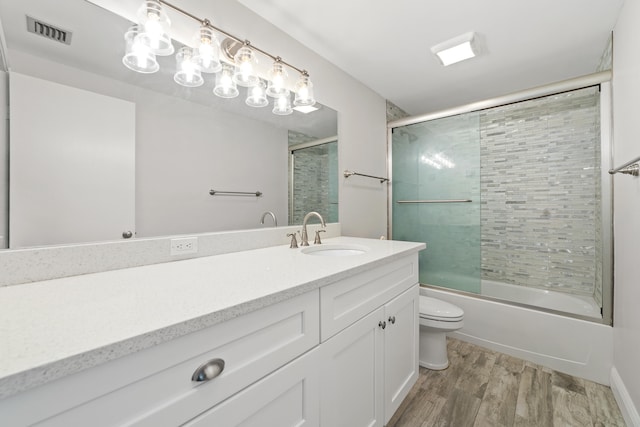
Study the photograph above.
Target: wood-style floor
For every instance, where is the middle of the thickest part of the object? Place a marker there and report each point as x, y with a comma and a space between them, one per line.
484, 388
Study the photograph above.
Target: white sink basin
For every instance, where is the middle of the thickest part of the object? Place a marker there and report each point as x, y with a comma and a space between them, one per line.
335, 250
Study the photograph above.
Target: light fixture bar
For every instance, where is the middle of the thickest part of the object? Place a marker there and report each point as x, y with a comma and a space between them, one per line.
207, 23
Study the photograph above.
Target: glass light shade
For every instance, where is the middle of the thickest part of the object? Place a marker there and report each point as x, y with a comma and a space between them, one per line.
282, 106
154, 24
304, 92
245, 74
277, 80
225, 86
207, 51
257, 96
188, 73
138, 57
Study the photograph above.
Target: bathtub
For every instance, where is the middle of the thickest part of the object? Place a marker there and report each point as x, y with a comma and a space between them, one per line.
574, 346
574, 304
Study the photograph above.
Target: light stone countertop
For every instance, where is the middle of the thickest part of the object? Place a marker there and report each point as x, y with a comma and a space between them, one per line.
54, 328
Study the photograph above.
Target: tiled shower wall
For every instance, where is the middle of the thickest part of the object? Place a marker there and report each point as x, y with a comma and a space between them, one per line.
315, 184
540, 181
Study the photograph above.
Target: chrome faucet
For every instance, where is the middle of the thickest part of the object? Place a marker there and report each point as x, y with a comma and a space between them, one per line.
304, 239
275, 221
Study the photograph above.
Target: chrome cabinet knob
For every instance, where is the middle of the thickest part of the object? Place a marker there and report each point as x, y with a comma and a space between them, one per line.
392, 320
208, 370
127, 234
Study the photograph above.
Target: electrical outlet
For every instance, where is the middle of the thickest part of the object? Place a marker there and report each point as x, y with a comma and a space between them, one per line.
186, 245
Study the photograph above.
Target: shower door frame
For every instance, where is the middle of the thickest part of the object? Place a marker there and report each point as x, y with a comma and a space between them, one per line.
601, 79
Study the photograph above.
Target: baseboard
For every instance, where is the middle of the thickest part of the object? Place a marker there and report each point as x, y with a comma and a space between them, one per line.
628, 409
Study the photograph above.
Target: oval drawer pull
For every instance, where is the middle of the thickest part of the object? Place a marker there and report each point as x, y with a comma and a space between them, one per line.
208, 370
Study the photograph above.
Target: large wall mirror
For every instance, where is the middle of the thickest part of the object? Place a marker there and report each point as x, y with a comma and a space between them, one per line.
94, 151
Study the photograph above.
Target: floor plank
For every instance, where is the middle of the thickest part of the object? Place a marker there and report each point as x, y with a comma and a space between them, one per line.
603, 406
535, 401
498, 406
484, 388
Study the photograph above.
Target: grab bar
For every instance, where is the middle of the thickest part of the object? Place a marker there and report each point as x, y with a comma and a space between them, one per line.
236, 193
348, 173
629, 168
437, 201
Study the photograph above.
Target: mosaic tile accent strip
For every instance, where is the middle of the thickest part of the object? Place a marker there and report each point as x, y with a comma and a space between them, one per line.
394, 112
540, 170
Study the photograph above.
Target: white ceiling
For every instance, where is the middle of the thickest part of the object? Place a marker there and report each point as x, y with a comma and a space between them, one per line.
386, 44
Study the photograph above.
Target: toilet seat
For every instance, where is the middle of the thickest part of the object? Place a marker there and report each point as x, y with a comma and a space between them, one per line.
438, 310
441, 319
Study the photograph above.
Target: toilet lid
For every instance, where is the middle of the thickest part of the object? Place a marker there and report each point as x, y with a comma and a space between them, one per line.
433, 308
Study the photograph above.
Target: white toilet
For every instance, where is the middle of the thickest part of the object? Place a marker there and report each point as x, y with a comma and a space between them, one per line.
436, 319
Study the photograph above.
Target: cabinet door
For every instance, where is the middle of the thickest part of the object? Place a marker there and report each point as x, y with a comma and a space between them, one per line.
287, 398
351, 375
400, 348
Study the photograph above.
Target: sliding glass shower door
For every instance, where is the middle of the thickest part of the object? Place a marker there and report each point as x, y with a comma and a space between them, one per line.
436, 197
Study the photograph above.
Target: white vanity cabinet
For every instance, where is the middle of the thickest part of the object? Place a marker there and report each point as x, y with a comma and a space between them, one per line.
369, 366
154, 387
341, 354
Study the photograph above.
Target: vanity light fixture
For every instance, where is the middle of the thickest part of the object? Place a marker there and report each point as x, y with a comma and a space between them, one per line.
150, 37
456, 49
282, 105
188, 73
225, 86
257, 95
155, 24
138, 57
207, 50
277, 79
245, 73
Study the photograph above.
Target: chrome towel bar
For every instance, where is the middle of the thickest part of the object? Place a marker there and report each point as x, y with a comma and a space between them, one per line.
629, 168
437, 201
236, 193
348, 173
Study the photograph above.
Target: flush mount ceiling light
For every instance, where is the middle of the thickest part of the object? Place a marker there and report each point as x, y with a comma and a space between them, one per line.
150, 37
456, 49
305, 109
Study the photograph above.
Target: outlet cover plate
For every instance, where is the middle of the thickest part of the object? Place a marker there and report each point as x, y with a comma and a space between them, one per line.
183, 246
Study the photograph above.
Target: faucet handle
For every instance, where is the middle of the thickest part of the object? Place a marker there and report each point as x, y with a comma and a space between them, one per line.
317, 240
294, 242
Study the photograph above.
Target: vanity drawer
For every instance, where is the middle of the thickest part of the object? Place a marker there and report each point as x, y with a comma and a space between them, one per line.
345, 302
286, 398
252, 346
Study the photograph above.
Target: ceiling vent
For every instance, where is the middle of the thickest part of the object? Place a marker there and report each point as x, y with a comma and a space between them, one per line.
49, 31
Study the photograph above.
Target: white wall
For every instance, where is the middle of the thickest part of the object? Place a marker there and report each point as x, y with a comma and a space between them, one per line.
626, 141
177, 166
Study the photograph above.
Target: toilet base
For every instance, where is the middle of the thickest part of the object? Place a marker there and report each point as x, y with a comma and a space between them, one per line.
433, 349
434, 367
